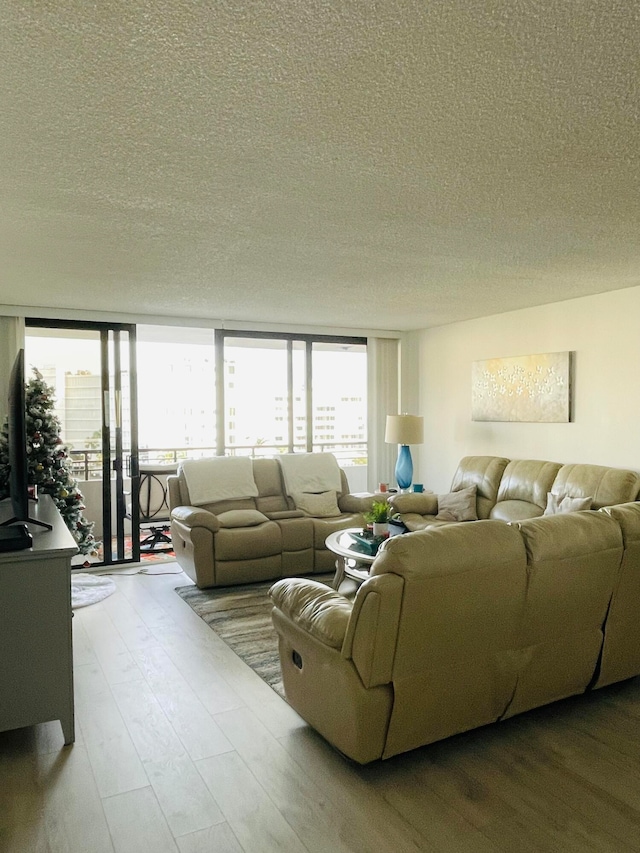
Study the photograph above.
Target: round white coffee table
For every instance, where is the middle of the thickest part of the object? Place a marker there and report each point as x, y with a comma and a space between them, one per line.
350, 563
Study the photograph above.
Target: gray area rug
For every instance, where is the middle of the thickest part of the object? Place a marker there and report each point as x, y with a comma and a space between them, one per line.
241, 616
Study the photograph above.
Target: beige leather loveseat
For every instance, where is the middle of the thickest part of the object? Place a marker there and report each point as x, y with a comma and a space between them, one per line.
511, 490
236, 541
461, 625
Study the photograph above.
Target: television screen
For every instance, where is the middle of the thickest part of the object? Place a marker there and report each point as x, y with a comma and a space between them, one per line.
17, 446
18, 475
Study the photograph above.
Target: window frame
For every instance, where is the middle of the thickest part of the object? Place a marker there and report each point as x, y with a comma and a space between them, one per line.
290, 337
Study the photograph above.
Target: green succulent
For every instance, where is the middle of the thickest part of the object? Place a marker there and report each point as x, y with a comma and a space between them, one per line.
379, 512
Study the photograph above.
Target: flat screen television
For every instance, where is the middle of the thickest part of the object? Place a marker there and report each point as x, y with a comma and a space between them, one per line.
17, 446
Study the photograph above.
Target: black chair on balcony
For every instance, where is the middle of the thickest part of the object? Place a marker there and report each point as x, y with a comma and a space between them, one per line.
154, 507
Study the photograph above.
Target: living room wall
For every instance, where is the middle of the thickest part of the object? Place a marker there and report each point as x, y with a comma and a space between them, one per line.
603, 333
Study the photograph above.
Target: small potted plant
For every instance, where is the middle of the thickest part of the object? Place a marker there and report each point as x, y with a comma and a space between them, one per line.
378, 516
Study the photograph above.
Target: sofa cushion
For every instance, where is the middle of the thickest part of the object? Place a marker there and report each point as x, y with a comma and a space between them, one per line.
458, 506
297, 535
268, 476
241, 518
573, 562
319, 505
608, 486
249, 543
515, 511
529, 481
557, 504
483, 472
621, 652
464, 591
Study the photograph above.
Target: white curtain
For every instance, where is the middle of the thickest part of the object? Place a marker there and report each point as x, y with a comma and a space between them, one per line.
11, 340
383, 399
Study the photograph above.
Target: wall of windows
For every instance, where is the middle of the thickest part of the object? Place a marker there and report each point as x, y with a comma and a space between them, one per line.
292, 393
205, 392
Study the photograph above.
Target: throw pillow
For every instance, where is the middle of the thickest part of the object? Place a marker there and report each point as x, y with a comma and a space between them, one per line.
557, 504
458, 506
241, 518
317, 505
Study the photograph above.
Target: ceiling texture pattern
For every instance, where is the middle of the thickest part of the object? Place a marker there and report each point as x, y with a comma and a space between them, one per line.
394, 165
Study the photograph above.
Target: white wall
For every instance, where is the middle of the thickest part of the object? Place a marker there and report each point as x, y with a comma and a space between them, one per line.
604, 333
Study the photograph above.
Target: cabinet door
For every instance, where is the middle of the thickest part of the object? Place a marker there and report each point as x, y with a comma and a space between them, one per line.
36, 667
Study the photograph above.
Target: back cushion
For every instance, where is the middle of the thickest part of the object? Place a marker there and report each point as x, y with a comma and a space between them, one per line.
606, 486
525, 481
621, 653
268, 476
573, 564
483, 472
464, 592
572, 561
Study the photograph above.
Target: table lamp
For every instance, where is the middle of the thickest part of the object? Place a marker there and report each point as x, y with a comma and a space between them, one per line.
404, 430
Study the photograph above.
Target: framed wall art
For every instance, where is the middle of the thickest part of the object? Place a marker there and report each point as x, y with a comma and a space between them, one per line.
524, 388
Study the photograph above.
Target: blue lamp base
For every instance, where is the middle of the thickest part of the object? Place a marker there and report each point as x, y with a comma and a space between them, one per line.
404, 467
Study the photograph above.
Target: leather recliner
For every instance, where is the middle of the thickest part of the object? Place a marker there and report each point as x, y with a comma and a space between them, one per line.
461, 625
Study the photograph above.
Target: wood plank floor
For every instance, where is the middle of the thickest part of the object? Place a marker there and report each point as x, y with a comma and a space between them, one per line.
181, 747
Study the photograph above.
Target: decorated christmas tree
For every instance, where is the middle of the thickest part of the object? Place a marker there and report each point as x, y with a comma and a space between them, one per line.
48, 462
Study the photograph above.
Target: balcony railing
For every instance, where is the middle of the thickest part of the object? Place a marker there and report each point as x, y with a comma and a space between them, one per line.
87, 463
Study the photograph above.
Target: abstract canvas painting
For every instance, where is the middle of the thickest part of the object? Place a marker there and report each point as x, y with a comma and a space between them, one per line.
534, 388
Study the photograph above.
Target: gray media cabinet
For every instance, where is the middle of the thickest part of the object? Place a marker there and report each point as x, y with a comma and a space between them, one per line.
36, 654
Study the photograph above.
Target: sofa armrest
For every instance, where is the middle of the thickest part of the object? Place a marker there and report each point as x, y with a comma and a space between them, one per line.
422, 503
193, 516
174, 498
360, 502
314, 607
372, 631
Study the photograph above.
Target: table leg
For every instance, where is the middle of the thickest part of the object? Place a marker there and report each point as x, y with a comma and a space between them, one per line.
339, 575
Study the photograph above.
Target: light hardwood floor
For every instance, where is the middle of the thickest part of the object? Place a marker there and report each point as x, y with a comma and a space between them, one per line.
181, 747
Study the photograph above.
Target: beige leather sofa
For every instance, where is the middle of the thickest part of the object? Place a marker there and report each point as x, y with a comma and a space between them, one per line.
253, 539
511, 490
461, 625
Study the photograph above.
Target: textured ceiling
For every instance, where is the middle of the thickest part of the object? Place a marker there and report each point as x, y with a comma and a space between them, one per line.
390, 165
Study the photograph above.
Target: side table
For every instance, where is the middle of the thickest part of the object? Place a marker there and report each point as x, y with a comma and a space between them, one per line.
350, 563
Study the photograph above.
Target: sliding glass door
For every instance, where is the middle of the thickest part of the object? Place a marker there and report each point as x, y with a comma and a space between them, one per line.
92, 370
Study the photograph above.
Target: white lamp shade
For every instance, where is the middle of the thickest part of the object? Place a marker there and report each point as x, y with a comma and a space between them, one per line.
404, 429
